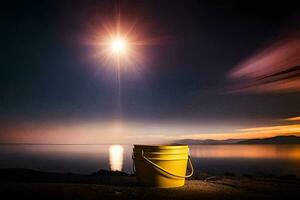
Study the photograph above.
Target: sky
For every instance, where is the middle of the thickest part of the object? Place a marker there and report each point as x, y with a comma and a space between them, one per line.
202, 69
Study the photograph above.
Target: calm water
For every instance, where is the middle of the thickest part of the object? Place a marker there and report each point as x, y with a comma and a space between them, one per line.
214, 159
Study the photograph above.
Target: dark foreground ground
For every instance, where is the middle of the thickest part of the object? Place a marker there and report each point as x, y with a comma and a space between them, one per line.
29, 184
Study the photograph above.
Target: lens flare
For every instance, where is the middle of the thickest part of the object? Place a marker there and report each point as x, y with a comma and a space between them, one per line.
120, 46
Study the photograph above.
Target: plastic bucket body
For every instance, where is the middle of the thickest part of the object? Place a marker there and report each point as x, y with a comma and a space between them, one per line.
161, 166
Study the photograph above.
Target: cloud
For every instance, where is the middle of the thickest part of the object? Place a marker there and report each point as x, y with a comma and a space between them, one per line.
293, 119
273, 69
251, 132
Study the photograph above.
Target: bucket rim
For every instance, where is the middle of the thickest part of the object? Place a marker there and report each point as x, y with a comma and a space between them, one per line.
166, 146
160, 159
138, 151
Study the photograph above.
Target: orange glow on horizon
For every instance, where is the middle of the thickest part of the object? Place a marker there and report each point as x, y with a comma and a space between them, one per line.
127, 132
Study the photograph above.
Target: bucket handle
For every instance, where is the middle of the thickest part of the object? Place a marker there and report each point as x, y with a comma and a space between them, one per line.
166, 171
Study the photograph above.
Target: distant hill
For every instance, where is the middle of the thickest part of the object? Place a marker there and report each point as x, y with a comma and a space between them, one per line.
228, 141
290, 139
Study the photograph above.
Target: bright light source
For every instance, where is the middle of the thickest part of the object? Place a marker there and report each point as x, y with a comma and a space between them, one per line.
118, 45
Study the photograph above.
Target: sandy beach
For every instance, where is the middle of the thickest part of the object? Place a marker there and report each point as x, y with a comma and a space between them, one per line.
23, 183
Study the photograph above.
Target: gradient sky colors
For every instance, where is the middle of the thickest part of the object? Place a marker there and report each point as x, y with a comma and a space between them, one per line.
209, 70
127, 132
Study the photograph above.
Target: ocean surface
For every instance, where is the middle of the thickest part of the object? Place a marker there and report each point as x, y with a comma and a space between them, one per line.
212, 159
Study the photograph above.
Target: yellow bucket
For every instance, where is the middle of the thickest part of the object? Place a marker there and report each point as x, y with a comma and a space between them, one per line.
161, 166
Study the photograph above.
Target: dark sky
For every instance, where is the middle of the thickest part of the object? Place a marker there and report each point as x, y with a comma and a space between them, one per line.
47, 71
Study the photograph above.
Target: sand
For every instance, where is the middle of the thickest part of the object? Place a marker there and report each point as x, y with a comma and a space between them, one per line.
41, 185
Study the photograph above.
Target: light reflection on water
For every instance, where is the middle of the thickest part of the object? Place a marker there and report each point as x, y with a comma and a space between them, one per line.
116, 157
239, 159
